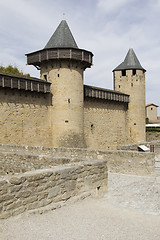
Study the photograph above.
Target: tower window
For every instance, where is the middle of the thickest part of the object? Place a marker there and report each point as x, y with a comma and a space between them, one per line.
134, 72
131, 84
123, 72
58, 75
45, 77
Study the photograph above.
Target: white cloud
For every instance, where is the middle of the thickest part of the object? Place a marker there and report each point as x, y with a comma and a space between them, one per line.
110, 5
107, 28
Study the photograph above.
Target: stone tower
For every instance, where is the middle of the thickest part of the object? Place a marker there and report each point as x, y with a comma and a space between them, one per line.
62, 63
129, 78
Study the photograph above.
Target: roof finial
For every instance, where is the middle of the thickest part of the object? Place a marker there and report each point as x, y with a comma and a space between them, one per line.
63, 16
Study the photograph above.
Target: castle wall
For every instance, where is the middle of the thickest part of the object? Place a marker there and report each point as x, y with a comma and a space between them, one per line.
105, 124
25, 118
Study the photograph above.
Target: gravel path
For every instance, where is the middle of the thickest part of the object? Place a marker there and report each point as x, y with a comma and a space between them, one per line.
129, 211
135, 192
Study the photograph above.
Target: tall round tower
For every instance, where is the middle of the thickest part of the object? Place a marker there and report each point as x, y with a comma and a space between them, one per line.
129, 78
62, 63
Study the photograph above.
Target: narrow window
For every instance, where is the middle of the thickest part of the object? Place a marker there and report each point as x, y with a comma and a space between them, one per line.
69, 100
134, 72
123, 72
45, 77
66, 121
119, 86
151, 108
131, 84
58, 75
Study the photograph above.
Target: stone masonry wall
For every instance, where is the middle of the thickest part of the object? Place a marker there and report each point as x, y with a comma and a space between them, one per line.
25, 118
67, 100
43, 188
105, 124
18, 159
134, 86
153, 146
152, 136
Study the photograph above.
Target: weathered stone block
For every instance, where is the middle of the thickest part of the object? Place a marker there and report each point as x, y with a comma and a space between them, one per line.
35, 177
32, 184
3, 190
13, 205
70, 185
23, 194
33, 205
16, 180
42, 196
30, 200
19, 210
44, 202
9, 202
3, 182
54, 192
14, 189
66, 196
5, 215
50, 184
6, 197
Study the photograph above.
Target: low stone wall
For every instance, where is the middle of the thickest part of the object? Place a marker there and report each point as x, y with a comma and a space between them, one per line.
134, 146
131, 162
152, 136
18, 159
40, 177
154, 146
43, 188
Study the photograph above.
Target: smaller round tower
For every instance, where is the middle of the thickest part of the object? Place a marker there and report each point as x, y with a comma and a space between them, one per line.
62, 63
129, 78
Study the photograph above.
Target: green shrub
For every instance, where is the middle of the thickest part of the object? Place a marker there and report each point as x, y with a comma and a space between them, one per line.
13, 70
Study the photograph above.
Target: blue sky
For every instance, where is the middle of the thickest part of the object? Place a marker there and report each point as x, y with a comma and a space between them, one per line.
108, 28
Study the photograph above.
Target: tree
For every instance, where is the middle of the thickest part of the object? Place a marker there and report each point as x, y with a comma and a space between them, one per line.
13, 70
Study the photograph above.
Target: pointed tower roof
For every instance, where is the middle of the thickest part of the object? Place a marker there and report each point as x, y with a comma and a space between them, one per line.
130, 62
61, 46
62, 37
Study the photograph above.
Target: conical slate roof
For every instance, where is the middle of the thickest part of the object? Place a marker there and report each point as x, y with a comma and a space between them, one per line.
62, 37
130, 62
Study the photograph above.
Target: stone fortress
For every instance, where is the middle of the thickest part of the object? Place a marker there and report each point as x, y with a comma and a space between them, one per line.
59, 137
58, 110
